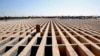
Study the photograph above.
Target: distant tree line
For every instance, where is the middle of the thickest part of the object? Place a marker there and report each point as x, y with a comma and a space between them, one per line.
61, 17
79, 17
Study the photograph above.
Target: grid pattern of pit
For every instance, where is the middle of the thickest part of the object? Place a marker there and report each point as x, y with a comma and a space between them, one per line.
67, 37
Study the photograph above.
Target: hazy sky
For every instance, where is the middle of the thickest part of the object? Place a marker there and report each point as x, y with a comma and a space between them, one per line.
49, 7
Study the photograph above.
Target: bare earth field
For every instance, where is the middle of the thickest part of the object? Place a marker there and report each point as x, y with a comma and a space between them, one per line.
50, 37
